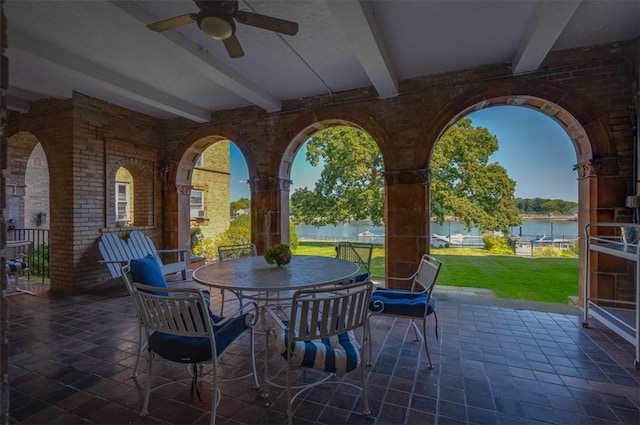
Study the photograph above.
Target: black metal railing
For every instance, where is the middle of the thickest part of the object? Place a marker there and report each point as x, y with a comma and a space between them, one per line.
38, 257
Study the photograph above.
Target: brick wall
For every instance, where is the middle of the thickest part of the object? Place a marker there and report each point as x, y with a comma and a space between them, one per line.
589, 92
213, 179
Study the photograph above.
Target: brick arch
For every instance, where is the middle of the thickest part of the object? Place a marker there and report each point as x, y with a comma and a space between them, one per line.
303, 127
309, 123
20, 147
197, 141
142, 190
180, 168
582, 120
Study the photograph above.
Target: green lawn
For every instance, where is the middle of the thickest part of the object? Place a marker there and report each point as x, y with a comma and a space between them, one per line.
523, 278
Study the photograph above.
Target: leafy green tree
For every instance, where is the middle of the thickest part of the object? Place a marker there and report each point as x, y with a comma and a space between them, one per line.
466, 186
240, 204
238, 232
544, 206
350, 187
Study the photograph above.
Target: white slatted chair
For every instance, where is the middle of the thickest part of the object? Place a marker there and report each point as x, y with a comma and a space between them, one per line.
140, 245
117, 252
319, 334
414, 304
179, 327
358, 253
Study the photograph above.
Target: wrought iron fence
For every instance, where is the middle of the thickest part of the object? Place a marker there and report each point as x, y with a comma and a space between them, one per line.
38, 257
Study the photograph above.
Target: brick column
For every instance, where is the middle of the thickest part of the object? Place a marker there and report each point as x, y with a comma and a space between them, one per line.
176, 232
406, 222
269, 211
611, 277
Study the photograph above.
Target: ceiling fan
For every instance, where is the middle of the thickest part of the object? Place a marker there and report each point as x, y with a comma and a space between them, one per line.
217, 19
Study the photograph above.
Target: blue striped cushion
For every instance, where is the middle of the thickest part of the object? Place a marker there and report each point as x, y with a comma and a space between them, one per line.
339, 354
14, 266
401, 303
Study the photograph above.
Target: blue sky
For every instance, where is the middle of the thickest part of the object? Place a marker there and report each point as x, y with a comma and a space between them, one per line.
534, 149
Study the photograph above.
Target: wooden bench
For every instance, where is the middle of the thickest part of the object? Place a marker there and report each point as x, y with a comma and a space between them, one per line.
117, 252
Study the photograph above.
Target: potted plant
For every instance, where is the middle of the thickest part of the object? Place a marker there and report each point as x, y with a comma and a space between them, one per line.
279, 254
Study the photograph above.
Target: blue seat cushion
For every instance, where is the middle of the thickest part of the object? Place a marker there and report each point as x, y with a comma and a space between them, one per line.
186, 349
401, 303
339, 354
362, 277
146, 270
16, 266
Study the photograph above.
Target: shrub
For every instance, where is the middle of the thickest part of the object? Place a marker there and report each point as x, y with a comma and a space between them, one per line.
497, 245
552, 251
39, 264
238, 232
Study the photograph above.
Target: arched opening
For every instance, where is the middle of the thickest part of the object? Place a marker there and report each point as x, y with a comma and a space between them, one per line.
570, 121
214, 175
503, 190
36, 202
129, 192
337, 190
28, 201
124, 200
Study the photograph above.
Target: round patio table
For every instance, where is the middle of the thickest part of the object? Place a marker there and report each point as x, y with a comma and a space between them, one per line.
253, 275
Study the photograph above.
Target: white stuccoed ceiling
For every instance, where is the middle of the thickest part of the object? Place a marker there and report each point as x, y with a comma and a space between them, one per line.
104, 50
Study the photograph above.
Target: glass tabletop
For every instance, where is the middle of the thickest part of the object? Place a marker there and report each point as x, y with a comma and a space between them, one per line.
255, 274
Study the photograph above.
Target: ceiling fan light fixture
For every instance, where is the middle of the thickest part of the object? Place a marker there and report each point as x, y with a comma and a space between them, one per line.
217, 27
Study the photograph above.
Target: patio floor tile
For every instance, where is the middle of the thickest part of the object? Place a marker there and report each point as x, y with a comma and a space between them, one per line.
71, 359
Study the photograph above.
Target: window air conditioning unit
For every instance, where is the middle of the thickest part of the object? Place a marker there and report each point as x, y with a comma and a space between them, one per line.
201, 214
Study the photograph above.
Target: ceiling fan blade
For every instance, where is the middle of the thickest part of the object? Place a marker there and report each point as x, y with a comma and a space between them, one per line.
266, 22
171, 23
233, 47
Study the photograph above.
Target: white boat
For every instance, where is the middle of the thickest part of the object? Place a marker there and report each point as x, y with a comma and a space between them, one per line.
366, 233
455, 240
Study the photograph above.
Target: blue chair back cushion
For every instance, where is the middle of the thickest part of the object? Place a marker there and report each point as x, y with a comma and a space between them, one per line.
362, 277
186, 349
146, 270
401, 303
339, 354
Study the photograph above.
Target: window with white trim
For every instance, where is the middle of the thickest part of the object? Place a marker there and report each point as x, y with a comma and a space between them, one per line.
122, 201
197, 203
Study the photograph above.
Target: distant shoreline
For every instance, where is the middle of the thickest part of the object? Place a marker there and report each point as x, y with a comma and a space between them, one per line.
537, 217
541, 217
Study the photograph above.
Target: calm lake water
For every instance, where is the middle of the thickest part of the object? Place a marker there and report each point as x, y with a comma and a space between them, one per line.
536, 228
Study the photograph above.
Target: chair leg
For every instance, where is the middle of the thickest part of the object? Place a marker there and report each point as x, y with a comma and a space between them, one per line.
216, 396
289, 402
254, 370
145, 405
222, 302
141, 346
363, 383
419, 336
424, 337
369, 360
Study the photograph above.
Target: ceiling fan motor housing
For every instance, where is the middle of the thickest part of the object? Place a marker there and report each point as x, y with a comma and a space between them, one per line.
216, 26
